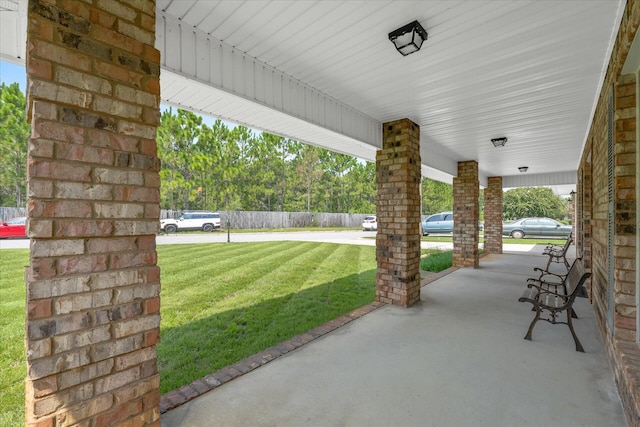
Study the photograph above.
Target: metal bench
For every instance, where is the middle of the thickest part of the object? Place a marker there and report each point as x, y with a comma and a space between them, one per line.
545, 297
558, 253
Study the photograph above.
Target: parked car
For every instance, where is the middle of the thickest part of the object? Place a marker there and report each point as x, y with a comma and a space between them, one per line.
441, 223
13, 228
370, 223
535, 227
192, 220
438, 223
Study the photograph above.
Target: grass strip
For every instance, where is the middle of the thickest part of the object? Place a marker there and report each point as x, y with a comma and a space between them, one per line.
437, 262
12, 323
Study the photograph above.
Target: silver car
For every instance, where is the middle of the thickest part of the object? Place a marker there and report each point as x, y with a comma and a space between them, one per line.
535, 227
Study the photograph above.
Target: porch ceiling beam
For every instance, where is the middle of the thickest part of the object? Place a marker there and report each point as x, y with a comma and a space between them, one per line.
547, 179
198, 56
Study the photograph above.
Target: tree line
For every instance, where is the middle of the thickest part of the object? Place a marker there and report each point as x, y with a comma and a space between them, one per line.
221, 167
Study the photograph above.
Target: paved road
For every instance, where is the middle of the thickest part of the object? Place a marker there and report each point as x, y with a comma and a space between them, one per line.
345, 237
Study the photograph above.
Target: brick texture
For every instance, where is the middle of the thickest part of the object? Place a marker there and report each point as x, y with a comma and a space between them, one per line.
493, 215
583, 208
593, 212
466, 236
398, 210
92, 283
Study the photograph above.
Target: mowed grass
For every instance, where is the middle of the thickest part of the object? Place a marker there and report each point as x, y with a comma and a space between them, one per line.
220, 303
437, 261
224, 302
12, 321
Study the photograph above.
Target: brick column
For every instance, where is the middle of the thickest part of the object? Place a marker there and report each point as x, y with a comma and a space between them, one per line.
93, 185
493, 216
466, 189
398, 211
584, 211
625, 208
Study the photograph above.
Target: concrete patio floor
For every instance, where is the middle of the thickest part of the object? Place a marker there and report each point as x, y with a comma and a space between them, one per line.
457, 358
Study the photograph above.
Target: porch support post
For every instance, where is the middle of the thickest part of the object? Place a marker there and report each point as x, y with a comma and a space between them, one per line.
493, 215
583, 234
398, 210
466, 189
92, 284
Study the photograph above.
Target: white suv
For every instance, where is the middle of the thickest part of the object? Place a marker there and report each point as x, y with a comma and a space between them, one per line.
192, 220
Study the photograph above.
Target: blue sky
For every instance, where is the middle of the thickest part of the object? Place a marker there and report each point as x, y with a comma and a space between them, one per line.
12, 73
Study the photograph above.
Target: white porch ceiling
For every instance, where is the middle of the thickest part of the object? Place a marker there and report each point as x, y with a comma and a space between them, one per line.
324, 72
527, 70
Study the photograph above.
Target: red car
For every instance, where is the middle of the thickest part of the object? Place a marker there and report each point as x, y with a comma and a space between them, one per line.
13, 228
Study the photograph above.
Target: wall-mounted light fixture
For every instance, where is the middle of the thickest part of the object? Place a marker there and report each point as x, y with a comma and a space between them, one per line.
572, 194
499, 142
523, 168
408, 39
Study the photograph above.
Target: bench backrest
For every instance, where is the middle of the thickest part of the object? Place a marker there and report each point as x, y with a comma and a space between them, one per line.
576, 277
565, 248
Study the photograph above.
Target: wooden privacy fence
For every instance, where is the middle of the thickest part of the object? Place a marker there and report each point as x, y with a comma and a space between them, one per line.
8, 213
256, 219
253, 219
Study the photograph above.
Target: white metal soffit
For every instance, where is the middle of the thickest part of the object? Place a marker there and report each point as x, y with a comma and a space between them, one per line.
13, 30
324, 72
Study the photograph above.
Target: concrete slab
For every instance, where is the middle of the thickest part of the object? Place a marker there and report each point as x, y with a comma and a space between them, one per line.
458, 358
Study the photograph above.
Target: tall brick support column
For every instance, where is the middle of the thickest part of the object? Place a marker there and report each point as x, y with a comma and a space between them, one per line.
92, 282
398, 210
583, 209
493, 215
466, 236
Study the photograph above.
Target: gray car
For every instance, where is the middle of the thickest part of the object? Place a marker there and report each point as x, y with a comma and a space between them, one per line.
438, 223
535, 227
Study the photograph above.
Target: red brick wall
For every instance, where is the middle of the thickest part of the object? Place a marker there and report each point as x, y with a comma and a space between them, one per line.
466, 190
92, 284
398, 210
493, 215
620, 343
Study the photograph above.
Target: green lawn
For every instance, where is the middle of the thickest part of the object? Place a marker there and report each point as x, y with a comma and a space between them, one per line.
437, 261
12, 365
221, 303
224, 302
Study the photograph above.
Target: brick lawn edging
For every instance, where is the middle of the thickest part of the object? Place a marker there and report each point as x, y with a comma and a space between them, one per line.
201, 386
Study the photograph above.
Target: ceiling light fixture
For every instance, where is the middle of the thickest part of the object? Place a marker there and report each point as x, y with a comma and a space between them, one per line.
409, 38
499, 142
523, 168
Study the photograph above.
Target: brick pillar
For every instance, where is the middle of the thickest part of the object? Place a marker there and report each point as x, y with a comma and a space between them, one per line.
493, 216
93, 185
466, 189
584, 212
625, 208
398, 211
573, 213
